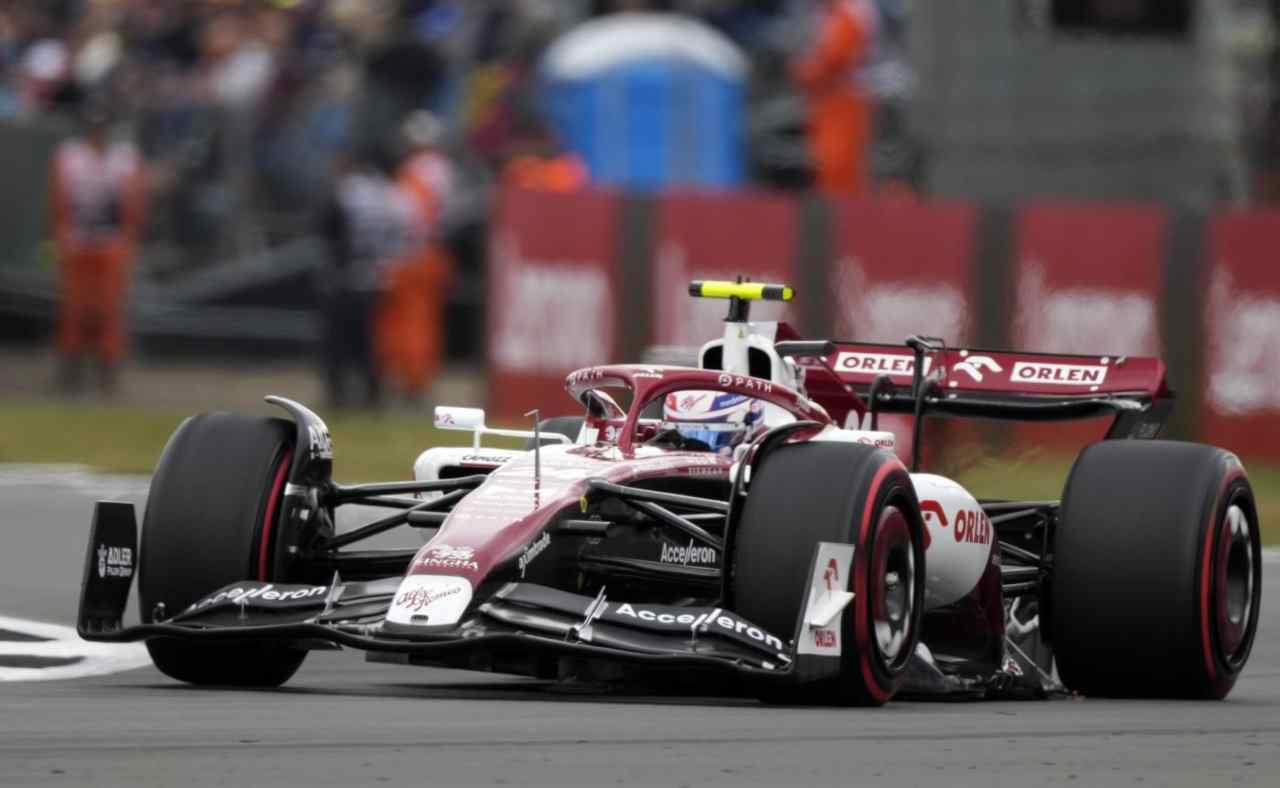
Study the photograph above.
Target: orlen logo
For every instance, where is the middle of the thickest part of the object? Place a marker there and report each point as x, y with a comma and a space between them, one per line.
973, 527
892, 364
824, 638
1059, 374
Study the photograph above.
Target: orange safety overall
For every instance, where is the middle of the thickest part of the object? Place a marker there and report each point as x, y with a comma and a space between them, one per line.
409, 331
840, 119
97, 213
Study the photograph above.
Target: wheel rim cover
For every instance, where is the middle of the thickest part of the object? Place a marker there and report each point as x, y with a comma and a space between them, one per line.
1234, 579
892, 585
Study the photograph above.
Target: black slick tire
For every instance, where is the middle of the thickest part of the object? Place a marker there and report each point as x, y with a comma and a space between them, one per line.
211, 519
1157, 571
805, 493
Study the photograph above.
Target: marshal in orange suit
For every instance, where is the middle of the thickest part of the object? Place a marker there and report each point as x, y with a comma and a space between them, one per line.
840, 111
96, 189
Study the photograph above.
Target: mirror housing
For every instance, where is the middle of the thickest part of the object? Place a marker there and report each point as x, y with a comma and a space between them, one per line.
451, 418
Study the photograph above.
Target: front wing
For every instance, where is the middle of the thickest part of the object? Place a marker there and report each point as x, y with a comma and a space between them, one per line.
522, 618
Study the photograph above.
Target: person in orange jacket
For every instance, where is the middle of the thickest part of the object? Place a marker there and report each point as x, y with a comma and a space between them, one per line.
96, 190
410, 317
841, 110
540, 163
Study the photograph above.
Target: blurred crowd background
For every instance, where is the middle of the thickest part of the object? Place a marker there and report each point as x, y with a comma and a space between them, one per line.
339, 137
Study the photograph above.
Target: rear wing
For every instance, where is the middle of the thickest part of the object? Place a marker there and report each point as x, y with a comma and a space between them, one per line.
985, 383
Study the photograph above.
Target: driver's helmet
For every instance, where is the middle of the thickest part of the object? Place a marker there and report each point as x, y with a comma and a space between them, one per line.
714, 418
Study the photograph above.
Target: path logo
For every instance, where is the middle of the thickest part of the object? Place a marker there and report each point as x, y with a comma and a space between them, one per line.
115, 561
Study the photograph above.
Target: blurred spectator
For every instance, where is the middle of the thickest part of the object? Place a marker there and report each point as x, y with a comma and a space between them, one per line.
426, 170
364, 226
97, 209
840, 106
410, 316
540, 163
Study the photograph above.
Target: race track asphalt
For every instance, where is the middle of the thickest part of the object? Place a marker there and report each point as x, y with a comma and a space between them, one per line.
346, 722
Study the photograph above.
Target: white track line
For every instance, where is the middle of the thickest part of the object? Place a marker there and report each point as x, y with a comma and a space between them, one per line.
1270, 555
62, 642
80, 478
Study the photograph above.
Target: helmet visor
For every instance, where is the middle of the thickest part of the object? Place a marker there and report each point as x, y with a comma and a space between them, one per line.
715, 436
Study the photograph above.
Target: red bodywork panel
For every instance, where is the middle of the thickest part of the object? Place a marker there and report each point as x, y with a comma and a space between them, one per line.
504, 514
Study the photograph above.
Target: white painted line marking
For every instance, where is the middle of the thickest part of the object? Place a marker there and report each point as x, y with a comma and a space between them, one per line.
1270, 555
80, 478
98, 659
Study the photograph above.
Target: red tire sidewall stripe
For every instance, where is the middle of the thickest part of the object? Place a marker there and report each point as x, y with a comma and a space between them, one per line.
1206, 576
269, 519
861, 562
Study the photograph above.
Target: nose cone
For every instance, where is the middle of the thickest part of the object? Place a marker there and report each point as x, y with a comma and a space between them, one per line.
430, 600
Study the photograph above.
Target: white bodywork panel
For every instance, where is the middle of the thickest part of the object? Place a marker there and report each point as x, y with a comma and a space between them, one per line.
820, 632
430, 600
960, 538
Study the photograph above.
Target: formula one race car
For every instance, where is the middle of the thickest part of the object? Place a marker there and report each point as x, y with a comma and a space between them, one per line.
746, 520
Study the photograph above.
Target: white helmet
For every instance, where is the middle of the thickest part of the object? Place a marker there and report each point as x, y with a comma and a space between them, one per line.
716, 419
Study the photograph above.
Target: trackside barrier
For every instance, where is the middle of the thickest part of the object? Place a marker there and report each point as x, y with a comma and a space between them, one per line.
585, 279
554, 295
1240, 334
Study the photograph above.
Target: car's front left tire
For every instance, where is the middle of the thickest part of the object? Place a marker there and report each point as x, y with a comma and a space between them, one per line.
213, 518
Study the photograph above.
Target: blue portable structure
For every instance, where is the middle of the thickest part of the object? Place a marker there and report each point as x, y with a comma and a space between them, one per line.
649, 101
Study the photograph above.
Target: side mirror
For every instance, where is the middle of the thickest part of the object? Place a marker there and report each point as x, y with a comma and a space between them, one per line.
467, 419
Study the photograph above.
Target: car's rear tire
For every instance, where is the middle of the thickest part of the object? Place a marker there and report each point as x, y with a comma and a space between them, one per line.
806, 493
569, 426
1157, 573
212, 518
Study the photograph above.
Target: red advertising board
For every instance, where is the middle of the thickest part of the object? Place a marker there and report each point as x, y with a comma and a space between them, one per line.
903, 267
1242, 333
717, 236
552, 296
1088, 279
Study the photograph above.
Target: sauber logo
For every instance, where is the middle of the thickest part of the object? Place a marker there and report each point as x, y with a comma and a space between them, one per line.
892, 364
1058, 374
